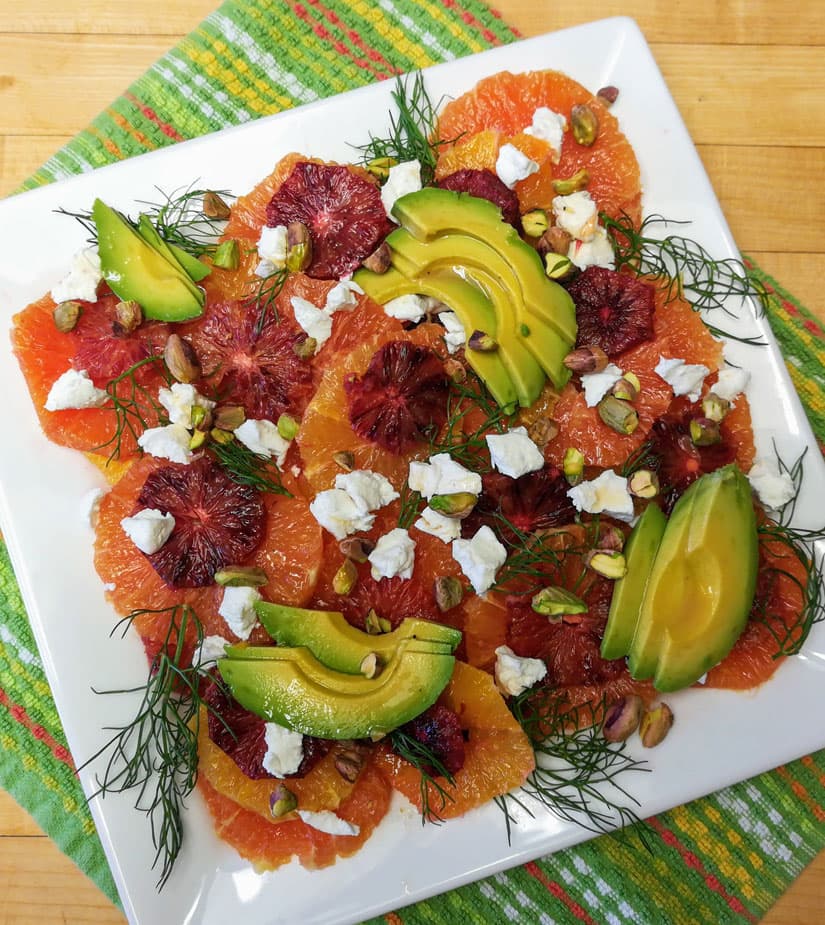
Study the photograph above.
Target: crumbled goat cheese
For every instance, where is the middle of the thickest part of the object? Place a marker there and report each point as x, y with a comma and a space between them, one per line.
597, 385
577, 215
774, 488
549, 126
209, 651
514, 674
343, 296
409, 307
336, 512
606, 494
402, 179
597, 252
74, 389
149, 529
444, 528
313, 321
442, 475
512, 165
262, 437
271, 249
90, 505
170, 442
394, 555
731, 382
180, 400
82, 279
369, 490
455, 337
284, 750
238, 610
480, 558
326, 821
514, 453
683, 378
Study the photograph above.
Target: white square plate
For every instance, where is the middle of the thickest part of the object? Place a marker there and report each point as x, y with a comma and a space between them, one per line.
720, 737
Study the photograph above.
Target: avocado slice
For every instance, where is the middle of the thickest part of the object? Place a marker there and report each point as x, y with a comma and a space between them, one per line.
342, 647
137, 271
473, 308
432, 212
194, 268
291, 687
701, 587
628, 592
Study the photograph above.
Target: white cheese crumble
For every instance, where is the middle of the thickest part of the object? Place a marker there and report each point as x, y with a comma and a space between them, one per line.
455, 337
262, 437
74, 389
81, 281
209, 651
597, 252
284, 750
515, 674
149, 529
731, 382
513, 165
409, 307
443, 528
606, 494
170, 442
326, 821
774, 488
402, 179
480, 558
394, 555
549, 126
514, 453
577, 215
369, 490
271, 249
90, 505
343, 296
683, 378
442, 475
336, 512
238, 610
597, 385
313, 321
180, 400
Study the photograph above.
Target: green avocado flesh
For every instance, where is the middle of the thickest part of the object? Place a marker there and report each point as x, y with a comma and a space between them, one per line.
628, 592
701, 586
446, 235
342, 647
136, 271
291, 687
190, 265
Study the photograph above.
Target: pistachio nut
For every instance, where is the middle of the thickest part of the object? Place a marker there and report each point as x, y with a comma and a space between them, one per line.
621, 719
346, 578
65, 316
197, 440
241, 576
181, 359
554, 602
357, 548
587, 359
715, 407
535, 223
608, 95
625, 389
380, 260
128, 317
375, 625
200, 418
611, 539
282, 801
482, 343
221, 437
644, 483
578, 181
448, 592
305, 347
554, 241
344, 459
655, 725
349, 758
214, 207
379, 167
228, 417
585, 124
607, 562
298, 247
457, 505
619, 415
557, 266
287, 427
542, 431
370, 665
704, 432
573, 465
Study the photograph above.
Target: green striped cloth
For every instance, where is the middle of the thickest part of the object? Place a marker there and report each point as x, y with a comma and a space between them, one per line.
722, 859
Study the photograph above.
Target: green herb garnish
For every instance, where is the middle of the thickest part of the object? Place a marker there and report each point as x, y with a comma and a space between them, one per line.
409, 506
263, 300
247, 468
432, 771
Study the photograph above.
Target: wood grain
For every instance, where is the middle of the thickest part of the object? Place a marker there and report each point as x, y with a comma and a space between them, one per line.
747, 78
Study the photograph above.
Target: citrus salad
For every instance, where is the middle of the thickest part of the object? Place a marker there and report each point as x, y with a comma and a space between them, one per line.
420, 467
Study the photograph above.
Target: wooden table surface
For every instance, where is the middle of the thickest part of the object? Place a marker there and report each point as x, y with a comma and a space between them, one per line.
748, 78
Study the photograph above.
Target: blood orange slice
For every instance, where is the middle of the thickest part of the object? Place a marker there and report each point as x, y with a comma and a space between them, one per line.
498, 755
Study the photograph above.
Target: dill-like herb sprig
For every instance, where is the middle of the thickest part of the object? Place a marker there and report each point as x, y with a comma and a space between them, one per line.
577, 769
684, 267
531, 555
247, 468
412, 129
133, 405
179, 219
432, 771
642, 457
262, 299
409, 506
156, 753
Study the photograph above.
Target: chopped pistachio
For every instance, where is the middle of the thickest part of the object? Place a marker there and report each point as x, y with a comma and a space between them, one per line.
655, 725
555, 240
241, 576
282, 801
357, 548
608, 95
349, 758
229, 417
644, 483
607, 563
380, 260
619, 415
448, 592
573, 184
587, 359
705, 432
715, 407
457, 505
128, 317
573, 465
622, 718
611, 539
554, 602
181, 359
585, 124
535, 223
305, 348
633, 379
221, 436
371, 665
542, 431
298, 247
346, 578
197, 440
557, 266
344, 459
227, 255
379, 167
482, 343
200, 418
455, 369
214, 206
287, 427
375, 625
65, 316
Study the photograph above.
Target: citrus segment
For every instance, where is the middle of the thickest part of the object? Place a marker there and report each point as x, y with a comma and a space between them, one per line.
498, 755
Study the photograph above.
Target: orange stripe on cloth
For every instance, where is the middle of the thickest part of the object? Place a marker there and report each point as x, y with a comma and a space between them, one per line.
800, 792
690, 859
355, 38
107, 143
470, 20
126, 125
152, 116
559, 892
19, 715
